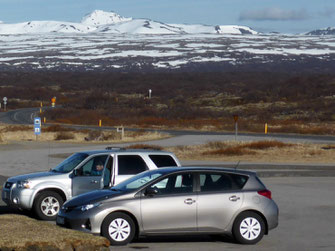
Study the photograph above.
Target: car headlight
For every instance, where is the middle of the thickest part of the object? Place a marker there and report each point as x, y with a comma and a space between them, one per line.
89, 206
23, 184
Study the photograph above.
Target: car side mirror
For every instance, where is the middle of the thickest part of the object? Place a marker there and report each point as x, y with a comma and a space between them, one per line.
150, 191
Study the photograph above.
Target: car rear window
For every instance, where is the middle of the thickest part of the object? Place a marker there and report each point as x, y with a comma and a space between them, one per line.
221, 181
162, 160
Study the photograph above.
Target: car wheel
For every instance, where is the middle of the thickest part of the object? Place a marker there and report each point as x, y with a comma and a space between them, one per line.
119, 228
47, 205
248, 228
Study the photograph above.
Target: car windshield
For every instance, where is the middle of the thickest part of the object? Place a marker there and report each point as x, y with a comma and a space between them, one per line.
138, 180
70, 163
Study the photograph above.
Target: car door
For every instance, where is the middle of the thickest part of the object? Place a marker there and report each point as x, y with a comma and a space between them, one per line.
86, 178
127, 166
219, 199
173, 208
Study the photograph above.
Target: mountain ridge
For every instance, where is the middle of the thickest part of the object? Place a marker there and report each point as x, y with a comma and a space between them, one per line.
111, 22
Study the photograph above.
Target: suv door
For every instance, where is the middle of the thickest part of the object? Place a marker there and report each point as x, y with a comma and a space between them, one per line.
219, 198
172, 208
129, 165
90, 176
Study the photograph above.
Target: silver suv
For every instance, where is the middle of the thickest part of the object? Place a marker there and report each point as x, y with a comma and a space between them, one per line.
45, 192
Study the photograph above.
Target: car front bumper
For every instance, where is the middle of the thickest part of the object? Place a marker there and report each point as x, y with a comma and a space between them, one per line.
17, 198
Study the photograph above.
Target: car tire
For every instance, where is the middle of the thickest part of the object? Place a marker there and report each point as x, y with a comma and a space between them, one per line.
47, 205
248, 228
118, 228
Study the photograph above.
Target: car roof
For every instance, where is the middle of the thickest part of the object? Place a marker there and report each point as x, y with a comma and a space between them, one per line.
125, 150
206, 169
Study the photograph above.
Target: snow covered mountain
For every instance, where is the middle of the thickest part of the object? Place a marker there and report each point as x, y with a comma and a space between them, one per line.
111, 22
322, 32
99, 17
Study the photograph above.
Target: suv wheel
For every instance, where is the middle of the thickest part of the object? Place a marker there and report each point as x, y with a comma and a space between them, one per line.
47, 205
119, 228
248, 228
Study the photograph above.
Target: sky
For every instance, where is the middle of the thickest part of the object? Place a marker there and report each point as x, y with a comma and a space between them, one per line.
285, 16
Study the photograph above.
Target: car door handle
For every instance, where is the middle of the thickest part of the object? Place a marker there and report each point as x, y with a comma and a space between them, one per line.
94, 181
234, 198
189, 201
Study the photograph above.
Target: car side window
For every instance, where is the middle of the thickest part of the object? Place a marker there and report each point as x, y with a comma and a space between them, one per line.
93, 167
221, 182
131, 164
175, 184
162, 160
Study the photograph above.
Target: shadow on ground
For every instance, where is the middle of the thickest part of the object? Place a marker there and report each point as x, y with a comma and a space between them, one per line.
185, 238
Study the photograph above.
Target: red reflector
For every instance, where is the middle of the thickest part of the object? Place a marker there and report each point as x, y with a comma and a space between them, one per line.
265, 193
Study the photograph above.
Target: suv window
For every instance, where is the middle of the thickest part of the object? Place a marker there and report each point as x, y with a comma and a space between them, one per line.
162, 160
93, 167
131, 164
221, 181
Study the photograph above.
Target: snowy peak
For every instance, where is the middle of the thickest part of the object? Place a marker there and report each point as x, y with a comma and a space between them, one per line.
99, 17
322, 32
111, 22
235, 29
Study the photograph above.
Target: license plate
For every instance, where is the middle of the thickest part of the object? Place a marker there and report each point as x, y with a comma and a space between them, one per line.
60, 220
5, 195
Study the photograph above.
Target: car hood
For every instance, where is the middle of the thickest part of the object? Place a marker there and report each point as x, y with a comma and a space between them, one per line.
93, 197
31, 176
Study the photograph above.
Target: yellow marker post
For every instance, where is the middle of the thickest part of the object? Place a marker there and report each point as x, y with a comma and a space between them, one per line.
41, 104
266, 128
44, 120
40, 110
100, 122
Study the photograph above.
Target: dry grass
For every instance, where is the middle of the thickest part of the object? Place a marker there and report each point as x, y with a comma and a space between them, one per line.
258, 151
145, 146
224, 149
64, 134
22, 233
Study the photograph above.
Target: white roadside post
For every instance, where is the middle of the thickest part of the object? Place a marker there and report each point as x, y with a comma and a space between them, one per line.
150, 91
4, 102
236, 127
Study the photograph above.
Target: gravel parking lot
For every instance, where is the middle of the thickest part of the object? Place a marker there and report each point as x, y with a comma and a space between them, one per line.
306, 204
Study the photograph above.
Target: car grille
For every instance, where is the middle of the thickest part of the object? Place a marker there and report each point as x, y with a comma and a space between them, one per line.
8, 185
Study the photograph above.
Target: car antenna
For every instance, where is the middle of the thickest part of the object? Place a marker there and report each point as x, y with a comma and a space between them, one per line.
238, 163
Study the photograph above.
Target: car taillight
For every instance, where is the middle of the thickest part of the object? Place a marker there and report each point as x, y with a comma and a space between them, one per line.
266, 193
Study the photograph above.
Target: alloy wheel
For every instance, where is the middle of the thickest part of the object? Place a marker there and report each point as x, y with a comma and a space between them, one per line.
50, 206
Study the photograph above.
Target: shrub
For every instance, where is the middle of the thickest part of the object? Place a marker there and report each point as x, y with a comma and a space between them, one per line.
230, 151
57, 128
64, 136
17, 128
260, 145
145, 146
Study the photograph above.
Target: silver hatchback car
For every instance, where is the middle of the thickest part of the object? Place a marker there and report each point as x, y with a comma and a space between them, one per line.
191, 200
